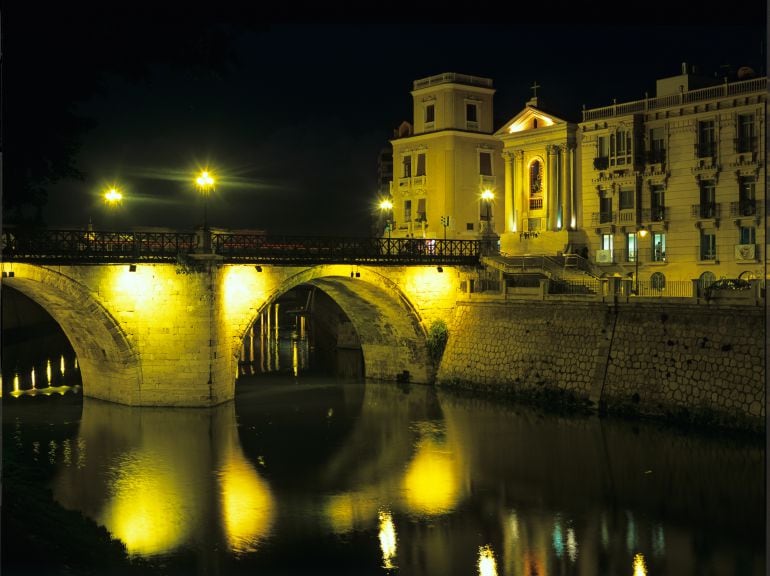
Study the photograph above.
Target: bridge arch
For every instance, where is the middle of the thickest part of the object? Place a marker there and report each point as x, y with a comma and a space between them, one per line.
389, 326
108, 363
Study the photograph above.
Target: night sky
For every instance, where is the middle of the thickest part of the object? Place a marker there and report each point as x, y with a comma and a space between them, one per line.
291, 114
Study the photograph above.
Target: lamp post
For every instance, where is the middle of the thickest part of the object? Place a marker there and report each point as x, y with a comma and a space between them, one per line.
640, 232
487, 195
205, 184
387, 207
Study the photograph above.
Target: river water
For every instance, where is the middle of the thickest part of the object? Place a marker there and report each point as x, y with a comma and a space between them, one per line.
308, 474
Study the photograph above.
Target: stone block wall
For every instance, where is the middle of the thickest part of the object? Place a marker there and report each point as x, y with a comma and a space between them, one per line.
677, 361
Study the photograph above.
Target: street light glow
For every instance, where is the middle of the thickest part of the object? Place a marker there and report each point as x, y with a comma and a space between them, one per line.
113, 196
488, 195
205, 181
386, 205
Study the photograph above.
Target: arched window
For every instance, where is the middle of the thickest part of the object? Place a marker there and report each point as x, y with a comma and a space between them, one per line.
658, 281
535, 185
705, 280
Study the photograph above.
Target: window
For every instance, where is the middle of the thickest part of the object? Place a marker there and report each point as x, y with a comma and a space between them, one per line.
421, 214
745, 140
747, 235
485, 163
626, 198
406, 167
605, 210
632, 248
469, 226
607, 245
471, 112
747, 203
620, 148
535, 185
657, 146
657, 202
407, 210
659, 247
602, 160
430, 113
420, 165
658, 281
708, 205
706, 139
708, 245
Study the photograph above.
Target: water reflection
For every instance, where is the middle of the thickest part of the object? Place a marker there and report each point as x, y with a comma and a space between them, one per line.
380, 477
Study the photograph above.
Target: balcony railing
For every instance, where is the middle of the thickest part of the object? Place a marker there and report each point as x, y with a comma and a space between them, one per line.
648, 104
598, 218
655, 214
745, 208
535, 203
705, 210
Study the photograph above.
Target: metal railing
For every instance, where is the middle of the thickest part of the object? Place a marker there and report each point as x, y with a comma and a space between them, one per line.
86, 246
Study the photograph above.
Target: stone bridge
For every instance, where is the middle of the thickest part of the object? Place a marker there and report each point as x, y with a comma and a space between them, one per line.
165, 334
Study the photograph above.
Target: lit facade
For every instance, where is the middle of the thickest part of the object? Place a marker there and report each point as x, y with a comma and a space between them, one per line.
442, 166
670, 187
687, 168
542, 208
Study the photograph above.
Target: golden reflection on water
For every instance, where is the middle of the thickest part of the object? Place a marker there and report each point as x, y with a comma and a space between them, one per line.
246, 501
487, 563
148, 510
431, 482
640, 568
387, 537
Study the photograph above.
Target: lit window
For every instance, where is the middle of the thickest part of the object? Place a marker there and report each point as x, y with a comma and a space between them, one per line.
659, 247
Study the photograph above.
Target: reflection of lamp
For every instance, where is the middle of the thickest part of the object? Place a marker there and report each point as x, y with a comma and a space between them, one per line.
639, 232
387, 207
488, 196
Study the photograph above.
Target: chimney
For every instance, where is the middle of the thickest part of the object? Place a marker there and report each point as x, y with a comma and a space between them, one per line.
684, 67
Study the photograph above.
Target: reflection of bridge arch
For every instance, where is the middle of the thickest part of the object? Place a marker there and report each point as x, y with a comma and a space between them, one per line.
388, 325
104, 352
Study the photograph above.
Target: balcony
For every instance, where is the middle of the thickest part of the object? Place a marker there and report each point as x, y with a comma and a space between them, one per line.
706, 149
601, 163
655, 214
536, 203
656, 156
745, 208
599, 218
705, 211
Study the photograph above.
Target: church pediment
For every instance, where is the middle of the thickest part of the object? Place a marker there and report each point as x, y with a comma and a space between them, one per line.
530, 118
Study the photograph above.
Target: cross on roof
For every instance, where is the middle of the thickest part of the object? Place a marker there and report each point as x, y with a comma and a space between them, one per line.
534, 88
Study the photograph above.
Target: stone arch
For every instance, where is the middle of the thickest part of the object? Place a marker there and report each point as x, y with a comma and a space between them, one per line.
389, 327
108, 364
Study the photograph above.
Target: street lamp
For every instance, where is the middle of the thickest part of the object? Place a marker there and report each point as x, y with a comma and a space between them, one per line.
487, 195
113, 196
205, 184
387, 206
640, 232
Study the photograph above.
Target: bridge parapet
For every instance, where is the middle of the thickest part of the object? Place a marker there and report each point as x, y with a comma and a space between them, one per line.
91, 246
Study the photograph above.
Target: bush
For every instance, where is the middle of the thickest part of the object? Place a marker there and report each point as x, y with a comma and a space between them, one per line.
438, 334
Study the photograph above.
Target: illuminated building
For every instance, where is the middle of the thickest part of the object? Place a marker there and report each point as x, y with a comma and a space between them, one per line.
687, 166
446, 159
671, 187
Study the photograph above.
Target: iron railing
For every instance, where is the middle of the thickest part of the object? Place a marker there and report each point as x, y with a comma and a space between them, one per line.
91, 246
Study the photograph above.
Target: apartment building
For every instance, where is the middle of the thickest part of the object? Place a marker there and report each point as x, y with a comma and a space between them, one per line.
673, 186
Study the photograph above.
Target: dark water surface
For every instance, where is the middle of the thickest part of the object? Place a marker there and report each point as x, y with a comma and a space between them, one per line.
316, 475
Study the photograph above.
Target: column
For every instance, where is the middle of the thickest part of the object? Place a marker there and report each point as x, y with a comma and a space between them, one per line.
510, 223
551, 171
519, 197
566, 189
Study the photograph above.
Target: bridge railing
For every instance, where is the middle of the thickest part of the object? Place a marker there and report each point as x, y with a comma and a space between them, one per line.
107, 246
317, 249
94, 245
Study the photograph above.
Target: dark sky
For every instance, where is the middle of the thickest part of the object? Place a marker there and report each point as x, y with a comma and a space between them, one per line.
291, 114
